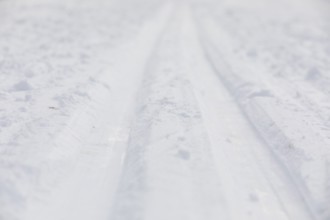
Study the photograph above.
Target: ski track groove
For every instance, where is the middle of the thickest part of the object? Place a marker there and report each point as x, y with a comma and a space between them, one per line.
163, 83
253, 110
76, 151
242, 102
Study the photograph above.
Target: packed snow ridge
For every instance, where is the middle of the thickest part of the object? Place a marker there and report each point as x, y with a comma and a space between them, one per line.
164, 110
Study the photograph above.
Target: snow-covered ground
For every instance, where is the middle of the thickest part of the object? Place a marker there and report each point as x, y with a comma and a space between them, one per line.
164, 110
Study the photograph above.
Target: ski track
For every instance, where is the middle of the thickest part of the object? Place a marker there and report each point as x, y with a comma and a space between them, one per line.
184, 110
274, 116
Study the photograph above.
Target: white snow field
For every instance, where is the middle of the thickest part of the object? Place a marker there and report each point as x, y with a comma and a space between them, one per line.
164, 110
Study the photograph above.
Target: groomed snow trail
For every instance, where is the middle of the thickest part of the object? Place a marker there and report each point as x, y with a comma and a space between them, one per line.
164, 110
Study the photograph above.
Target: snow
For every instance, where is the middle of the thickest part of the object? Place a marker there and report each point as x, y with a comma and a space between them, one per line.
21, 86
160, 109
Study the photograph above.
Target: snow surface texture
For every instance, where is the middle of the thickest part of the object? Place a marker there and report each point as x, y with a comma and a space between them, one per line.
164, 110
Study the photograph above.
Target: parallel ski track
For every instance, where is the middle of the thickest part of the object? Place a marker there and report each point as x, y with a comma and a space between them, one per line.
250, 96
169, 171
196, 142
78, 177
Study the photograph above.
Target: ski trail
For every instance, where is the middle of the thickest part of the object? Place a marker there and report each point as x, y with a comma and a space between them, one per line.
177, 110
169, 171
239, 148
80, 175
248, 91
